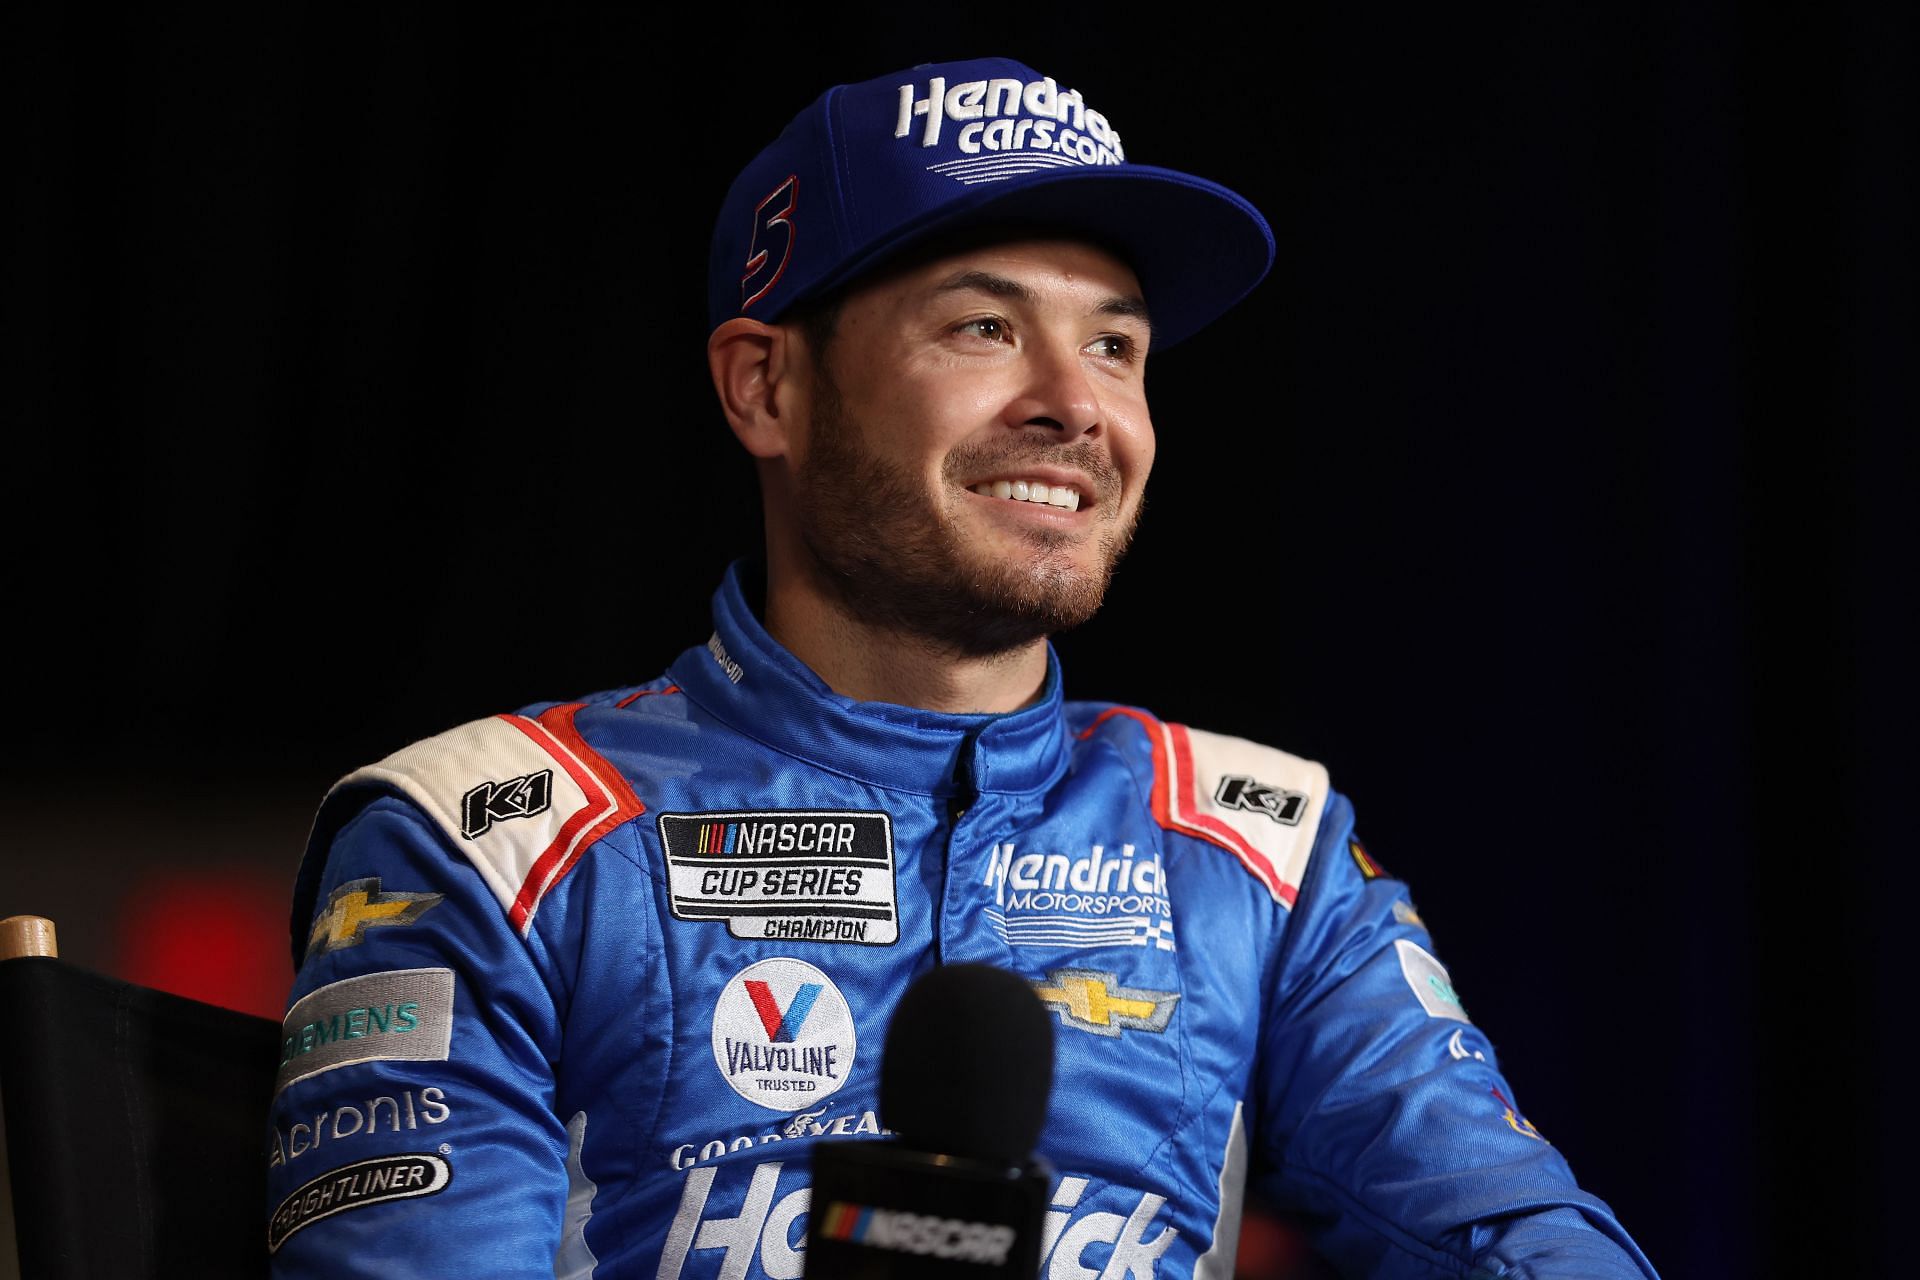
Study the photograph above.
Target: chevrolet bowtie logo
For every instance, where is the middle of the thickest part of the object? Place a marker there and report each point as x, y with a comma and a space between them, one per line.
1095, 1001
358, 905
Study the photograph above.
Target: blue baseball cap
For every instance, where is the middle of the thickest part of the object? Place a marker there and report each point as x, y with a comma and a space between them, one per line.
870, 169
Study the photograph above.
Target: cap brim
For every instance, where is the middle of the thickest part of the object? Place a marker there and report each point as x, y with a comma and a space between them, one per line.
1197, 247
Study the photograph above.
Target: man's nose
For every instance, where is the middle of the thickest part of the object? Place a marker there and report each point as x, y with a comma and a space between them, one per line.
1058, 396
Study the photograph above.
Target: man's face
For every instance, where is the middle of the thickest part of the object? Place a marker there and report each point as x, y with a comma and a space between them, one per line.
951, 389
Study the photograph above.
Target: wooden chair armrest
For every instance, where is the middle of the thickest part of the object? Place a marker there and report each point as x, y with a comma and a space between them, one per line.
26, 936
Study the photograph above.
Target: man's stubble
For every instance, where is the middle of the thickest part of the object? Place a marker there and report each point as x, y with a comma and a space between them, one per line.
891, 563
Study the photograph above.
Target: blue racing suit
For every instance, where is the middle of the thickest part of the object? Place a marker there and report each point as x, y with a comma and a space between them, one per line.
578, 987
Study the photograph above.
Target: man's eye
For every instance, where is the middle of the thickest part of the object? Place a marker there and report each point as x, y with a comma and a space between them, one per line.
988, 327
1113, 346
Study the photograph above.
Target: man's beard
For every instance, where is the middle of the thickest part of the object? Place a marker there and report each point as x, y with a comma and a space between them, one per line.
894, 564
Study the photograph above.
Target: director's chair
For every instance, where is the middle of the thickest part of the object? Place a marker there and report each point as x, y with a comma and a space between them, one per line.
136, 1122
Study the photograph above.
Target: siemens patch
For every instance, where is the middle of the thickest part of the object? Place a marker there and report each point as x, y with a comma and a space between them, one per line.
1428, 978
396, 1014
799, 875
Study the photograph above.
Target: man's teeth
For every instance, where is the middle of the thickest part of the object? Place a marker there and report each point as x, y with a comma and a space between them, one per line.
1029, 491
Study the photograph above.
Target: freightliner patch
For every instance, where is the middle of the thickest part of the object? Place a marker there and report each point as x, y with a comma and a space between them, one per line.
353, 1186
799, 875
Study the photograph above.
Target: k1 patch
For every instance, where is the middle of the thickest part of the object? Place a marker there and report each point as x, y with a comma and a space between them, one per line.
783, 1036
490, 802
355, 1186
1283, 806
799, 875
400, 1014
1428, 978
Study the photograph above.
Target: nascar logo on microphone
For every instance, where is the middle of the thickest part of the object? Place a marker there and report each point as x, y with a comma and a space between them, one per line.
903, 1232
783, 1036
731, 1220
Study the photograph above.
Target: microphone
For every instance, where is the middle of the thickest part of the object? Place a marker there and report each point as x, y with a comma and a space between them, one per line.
964, 1077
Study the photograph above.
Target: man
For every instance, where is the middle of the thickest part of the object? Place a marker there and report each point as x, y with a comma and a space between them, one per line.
580, 986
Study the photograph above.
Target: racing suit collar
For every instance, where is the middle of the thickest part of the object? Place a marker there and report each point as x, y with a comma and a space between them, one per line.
746, 678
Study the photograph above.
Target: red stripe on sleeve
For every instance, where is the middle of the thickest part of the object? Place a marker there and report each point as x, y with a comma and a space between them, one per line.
607, 805
1212, 827
1178, 781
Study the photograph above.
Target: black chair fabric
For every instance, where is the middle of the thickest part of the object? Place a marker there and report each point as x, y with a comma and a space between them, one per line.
136, 1127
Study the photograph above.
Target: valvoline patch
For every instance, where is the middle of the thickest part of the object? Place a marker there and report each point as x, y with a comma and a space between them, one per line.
783, 1035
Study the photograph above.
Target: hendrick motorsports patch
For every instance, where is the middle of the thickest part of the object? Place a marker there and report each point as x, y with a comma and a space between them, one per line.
355, 1186
1101, 898
783, 1035
800, 875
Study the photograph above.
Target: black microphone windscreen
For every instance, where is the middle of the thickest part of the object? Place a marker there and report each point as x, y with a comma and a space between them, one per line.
967, 1064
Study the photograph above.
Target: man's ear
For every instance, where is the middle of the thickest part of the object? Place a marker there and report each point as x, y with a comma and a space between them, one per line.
754, 367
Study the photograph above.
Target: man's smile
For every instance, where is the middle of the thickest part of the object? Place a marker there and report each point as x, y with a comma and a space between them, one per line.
1063, 496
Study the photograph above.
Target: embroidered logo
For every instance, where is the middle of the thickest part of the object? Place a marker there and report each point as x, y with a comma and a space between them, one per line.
355, 1186
394, 1015
1515, 1121
802, 875
800, 1124
492, 802
1457, 1048
1429, 981
762, 272
1002, 128
1369, 869
359, 905
1284, 807
1092, 1000
783, 1036
1105, 897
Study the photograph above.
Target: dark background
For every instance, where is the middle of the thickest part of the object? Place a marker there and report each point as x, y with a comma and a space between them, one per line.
1553, 490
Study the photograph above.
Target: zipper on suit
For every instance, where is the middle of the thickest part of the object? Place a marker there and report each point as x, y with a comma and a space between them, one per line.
958, 803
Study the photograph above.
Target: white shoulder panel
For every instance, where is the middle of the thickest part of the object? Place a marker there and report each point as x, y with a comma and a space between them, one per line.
519, 796
1259, 803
